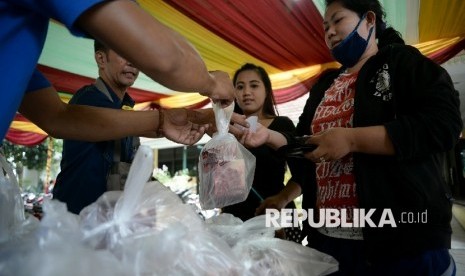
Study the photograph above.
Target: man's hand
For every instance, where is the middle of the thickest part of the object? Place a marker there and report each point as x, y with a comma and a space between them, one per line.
202, 116
223, 89
179, 127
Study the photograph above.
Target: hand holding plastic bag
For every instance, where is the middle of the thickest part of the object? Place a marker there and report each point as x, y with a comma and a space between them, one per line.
226, 168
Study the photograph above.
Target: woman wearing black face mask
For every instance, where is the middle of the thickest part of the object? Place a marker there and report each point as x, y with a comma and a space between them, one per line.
381, 125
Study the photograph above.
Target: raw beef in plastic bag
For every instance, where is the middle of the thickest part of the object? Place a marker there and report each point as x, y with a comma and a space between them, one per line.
226, 168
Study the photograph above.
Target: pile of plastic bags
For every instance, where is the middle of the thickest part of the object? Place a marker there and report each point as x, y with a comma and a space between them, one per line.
145, 230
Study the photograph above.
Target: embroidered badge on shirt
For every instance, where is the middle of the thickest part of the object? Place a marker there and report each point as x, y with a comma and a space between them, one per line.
383, 84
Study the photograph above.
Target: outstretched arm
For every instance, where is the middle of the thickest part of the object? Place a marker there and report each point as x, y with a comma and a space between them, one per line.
44, 108
263, 136
161, 53
87, 123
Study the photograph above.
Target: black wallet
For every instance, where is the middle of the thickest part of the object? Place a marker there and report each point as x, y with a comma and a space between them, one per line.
297, 149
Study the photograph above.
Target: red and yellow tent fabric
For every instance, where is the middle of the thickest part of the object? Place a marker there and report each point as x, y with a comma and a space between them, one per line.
283, 36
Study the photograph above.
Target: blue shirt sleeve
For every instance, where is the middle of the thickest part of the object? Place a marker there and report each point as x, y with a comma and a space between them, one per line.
37, 81
64, 11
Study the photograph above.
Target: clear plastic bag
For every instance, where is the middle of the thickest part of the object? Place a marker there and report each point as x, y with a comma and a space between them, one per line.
151, 232
276, 257
55, 248
262, 254
117, 214
121, 234
13, 221
226, 168
232, 230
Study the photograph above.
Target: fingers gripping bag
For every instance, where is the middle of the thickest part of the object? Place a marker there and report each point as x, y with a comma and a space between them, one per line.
226, 168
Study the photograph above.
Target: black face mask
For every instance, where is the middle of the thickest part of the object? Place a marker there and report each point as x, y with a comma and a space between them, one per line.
349, 51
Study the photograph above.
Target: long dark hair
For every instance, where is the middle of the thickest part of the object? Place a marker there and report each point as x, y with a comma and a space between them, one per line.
269, 105
384, 35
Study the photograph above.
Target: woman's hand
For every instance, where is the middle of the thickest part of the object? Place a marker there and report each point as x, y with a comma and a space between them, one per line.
255, 139
337, 142
273, 202
332, 144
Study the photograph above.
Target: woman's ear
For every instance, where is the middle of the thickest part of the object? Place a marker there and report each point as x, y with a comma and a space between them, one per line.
371, 18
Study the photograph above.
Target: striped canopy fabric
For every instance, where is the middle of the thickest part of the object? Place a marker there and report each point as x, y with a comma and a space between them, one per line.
283, 36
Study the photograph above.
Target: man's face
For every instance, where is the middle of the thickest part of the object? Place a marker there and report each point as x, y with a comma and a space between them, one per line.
120, 72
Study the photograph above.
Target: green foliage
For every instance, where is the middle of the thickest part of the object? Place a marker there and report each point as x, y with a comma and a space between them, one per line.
34, 157
162, 175
11, 151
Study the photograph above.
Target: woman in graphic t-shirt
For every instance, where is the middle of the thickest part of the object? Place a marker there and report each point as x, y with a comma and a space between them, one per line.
381, 125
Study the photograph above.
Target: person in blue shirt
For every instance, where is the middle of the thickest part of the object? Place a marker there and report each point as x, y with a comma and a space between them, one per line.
155, 49
86, 166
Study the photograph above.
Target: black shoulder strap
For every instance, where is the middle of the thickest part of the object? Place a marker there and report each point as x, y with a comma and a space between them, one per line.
103, 88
